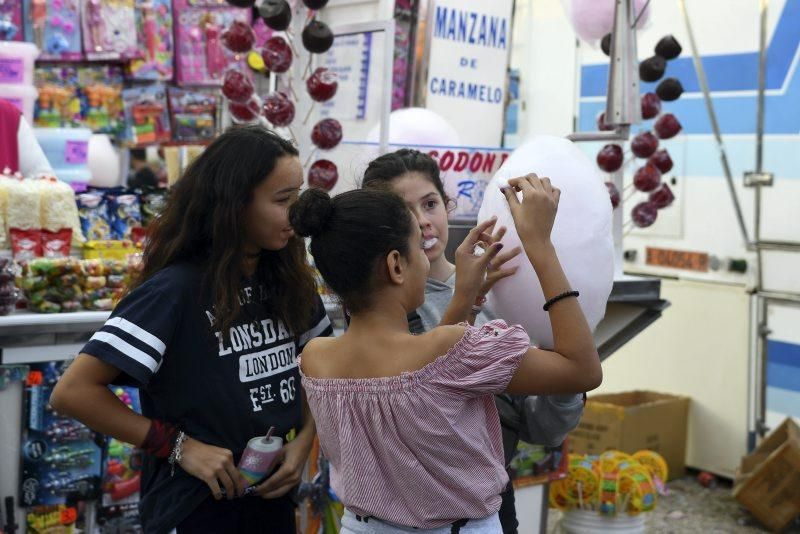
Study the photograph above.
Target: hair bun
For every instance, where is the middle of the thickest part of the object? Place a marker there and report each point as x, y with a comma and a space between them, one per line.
309, 216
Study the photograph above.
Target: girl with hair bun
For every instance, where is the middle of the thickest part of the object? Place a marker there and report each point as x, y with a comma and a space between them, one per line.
543, 419
210, 333
407, 421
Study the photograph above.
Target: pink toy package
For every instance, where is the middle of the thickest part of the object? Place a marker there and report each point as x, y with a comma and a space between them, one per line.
11, 21
154, 27
201, 58
109, 29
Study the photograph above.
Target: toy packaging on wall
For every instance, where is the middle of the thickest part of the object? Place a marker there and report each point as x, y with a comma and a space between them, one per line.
101, 98
55, 27
59, 102
201, 58
73, 96
11, 21
61, 458
146, 115
153, 60
56, 518
122, 476
119, 519
193, 114
109, 29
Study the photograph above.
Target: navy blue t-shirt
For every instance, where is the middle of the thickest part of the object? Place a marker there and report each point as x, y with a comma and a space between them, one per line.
221, 388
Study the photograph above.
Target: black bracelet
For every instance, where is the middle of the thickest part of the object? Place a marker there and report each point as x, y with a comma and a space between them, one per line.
562, 296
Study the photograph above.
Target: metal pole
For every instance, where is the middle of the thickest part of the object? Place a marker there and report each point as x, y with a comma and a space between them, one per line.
712, 117
762, 83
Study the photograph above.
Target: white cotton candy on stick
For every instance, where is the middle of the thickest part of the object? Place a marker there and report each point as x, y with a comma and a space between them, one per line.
582, 235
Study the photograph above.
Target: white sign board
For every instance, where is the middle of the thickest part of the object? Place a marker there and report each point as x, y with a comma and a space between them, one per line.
469, 51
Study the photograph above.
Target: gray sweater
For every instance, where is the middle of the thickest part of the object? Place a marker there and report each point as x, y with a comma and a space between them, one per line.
542, 420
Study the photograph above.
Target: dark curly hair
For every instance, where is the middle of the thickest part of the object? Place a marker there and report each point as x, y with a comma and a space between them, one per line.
351, 234
202, 222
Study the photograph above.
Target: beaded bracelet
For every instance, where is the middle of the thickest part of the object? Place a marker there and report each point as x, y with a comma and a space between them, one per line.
562, 296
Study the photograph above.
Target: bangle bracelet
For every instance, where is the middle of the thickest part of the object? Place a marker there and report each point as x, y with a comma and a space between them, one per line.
562, 296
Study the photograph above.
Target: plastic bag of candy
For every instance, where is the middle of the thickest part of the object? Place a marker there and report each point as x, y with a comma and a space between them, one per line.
125, 214
93, 213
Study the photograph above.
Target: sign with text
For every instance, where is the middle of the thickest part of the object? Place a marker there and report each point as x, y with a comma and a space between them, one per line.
469, 51
677, 259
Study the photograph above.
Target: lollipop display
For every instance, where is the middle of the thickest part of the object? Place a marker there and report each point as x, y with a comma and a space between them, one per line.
612, 485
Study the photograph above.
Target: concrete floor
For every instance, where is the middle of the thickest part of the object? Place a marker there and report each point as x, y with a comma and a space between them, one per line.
691, 508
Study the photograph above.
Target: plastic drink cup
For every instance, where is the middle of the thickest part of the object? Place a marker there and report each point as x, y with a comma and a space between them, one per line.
259, 458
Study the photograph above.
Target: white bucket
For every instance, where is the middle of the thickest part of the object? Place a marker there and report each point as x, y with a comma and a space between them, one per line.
588, 522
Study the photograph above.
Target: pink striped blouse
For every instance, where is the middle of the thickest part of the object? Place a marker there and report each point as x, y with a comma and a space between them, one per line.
422, 449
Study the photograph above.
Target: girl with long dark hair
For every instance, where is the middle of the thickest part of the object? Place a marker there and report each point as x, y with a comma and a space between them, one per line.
210, 332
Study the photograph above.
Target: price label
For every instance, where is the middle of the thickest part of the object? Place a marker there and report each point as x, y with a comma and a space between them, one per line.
76, 152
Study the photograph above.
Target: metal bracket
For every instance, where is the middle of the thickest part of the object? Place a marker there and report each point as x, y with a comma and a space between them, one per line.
758, 179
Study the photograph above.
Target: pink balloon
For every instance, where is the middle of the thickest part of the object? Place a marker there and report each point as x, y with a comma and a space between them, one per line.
593, 19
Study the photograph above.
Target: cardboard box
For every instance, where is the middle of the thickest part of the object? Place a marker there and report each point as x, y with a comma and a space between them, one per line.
768, 481
635, 421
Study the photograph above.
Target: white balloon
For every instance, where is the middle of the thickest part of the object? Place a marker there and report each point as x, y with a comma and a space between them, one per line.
104, 162
417, 126
582, 235
593, 19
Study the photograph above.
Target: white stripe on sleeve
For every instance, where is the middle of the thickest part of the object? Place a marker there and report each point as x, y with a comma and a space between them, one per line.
138, 332
314, 332
127, 349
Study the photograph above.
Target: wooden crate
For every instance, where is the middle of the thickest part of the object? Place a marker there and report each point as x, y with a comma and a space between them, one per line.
768, 482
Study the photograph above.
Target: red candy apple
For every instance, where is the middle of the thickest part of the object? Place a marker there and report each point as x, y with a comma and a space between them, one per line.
613, 193
610, 158
322, 84
236, 86
662, 197
661, 160
277, 55
644, 145
278, 109
245, 111
601, 123
667, 126
239, 37
323, 174
644, 214
651, 106
327, 133
647, 178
